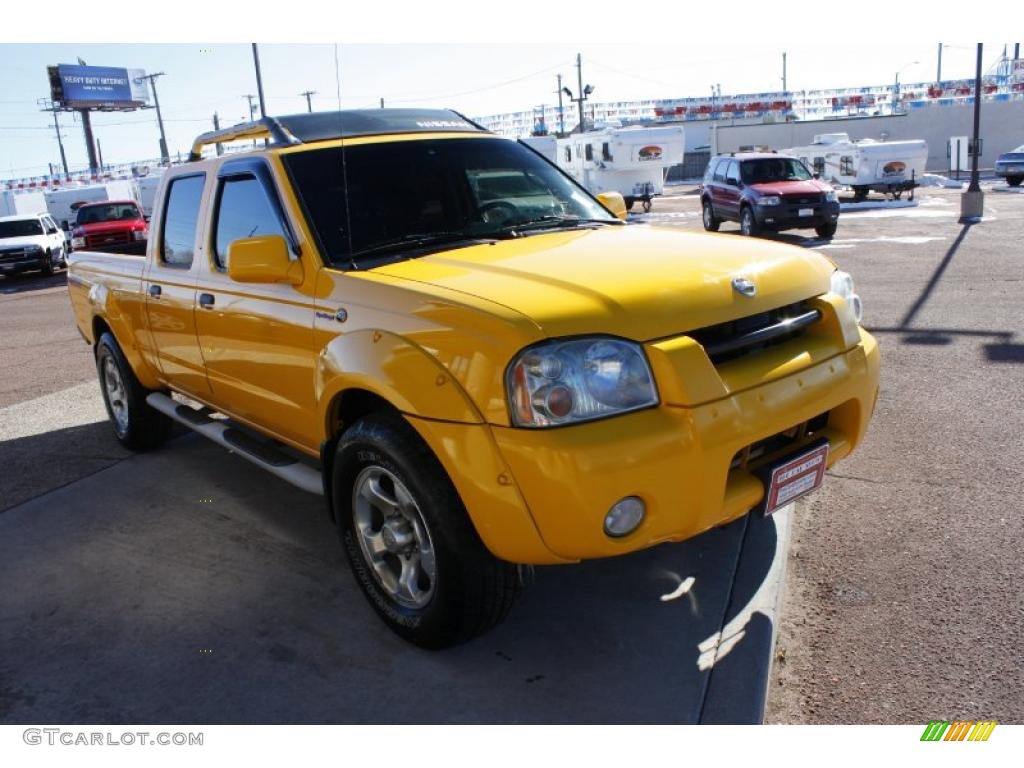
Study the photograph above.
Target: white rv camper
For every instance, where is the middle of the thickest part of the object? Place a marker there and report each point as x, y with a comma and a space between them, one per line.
21, 202
632, 161
891, 167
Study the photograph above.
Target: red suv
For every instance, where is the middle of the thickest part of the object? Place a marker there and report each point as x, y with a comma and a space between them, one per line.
766, 191
115, 225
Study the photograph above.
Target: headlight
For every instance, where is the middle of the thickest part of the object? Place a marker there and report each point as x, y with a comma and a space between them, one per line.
831, 196
34, 249
842, 285
139, 234
769, 200
567, 381
78, 242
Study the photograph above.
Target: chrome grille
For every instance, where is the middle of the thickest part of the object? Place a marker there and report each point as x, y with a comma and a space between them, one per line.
753, 333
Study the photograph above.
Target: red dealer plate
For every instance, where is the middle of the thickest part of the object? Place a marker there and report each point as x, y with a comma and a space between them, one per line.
795, 477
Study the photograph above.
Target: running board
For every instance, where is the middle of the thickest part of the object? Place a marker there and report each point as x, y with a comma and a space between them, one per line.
229, 436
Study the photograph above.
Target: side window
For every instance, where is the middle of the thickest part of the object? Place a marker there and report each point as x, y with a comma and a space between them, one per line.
606, 153
568, 153
589, 152
846, 165
181, 214
819, 166
733, 171
720, 170
243, 210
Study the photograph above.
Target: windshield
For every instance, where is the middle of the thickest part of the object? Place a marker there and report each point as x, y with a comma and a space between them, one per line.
431, 190
20, 228
94, 214
768, 169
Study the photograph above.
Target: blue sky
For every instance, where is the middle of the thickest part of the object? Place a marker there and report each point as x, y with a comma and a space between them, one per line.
474, 78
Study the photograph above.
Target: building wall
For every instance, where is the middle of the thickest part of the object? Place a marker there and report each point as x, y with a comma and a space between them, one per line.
1002, 129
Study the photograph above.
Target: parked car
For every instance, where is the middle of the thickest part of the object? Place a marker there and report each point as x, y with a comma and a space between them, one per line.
767, 191
471, 386
116, 226
1010, 165
31, 243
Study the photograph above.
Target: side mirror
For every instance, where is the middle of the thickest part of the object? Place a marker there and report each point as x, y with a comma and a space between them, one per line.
263, 260
816, 175
615, 204
732, 182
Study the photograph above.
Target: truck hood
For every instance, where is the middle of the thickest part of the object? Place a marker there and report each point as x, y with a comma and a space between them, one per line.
103, 227
812, 187
11, 243
636, 282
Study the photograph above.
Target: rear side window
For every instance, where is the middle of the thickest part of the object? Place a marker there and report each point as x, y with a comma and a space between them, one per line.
181, 215
243, 211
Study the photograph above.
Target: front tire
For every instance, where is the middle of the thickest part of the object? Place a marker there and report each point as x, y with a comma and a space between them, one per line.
748, 223
136, 426
711, 224
48, 269
409, 540
826, 231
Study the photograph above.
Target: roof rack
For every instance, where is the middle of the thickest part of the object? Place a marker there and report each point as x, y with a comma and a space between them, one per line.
323, 126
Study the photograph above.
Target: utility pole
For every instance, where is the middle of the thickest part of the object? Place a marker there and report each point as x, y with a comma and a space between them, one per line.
259, 80
252, 110
561, 115
99, 152
216, 127
90, 144
164, 155
938, 74
784, 89
972, 201
60, 143
382, 102
309, 101
584, 92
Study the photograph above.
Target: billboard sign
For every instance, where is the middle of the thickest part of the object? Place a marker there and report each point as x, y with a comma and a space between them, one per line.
75, 85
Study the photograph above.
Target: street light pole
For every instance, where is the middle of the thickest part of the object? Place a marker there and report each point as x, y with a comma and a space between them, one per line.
164, 154
259, 80
972, 201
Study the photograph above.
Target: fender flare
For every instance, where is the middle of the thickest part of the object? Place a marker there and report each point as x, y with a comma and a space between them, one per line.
396, 370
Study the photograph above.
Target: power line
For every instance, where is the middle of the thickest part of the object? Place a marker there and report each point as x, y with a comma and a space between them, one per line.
485, 88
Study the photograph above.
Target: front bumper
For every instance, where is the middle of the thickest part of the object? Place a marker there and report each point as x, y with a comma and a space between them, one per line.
22, 263
787, 215
131, 248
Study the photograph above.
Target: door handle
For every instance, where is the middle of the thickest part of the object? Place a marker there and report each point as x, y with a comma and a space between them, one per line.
205, 300
154, 291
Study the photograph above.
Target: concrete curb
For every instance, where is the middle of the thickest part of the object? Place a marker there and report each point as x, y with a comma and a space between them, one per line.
737, 688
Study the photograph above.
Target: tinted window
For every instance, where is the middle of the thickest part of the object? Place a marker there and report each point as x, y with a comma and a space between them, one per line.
178, 238
94, 214
769, 169
732, 173
720, 166
243, 211
401, 192
20, 228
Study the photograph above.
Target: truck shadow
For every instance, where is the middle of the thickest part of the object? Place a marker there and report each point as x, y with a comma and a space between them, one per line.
125, 576
31, 281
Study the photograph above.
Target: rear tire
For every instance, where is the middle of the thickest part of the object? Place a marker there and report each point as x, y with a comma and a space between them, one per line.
1014, 181
860, 194
711, 224
398, 513
136, 426
826, 231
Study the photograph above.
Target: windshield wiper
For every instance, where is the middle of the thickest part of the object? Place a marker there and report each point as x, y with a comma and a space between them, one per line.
548, 222
417, 240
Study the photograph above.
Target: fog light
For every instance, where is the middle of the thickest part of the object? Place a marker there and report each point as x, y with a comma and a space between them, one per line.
624, 517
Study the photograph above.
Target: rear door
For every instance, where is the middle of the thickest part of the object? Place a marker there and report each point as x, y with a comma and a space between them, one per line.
170, 285
731, 190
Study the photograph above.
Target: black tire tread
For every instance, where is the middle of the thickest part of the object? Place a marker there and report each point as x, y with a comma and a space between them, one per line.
147, 427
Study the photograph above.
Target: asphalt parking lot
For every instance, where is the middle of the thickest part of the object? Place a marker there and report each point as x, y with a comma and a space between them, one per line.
186, 586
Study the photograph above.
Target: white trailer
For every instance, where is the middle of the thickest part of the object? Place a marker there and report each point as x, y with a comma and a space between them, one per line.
632, 161
148, 186
21, 202
891, 167
62, 203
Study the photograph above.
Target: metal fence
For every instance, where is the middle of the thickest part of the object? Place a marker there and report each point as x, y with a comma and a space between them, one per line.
692, 167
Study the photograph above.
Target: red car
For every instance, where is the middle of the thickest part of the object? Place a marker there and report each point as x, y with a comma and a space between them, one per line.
114, 225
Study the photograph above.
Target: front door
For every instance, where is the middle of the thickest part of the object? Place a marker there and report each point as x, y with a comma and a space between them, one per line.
256, 339
170, 287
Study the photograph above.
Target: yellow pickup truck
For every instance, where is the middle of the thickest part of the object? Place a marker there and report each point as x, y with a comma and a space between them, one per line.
475, 361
